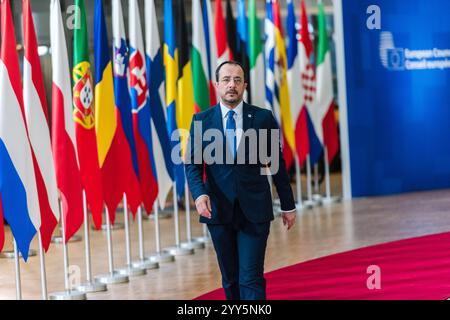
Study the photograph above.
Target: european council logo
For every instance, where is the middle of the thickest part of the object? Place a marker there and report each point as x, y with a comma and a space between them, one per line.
391, 57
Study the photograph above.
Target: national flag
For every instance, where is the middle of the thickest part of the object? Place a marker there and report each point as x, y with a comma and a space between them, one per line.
185, 102
231, 32
323, 115
171, 66
109, 133
64, 148
141, 109
200, 72
306, 137
211, 50
242, 46
223, 50
155, 76
128, 156
2, 230
269, 56
83, 115
18, 191
293, 75
256, 59
282, 89
39, 133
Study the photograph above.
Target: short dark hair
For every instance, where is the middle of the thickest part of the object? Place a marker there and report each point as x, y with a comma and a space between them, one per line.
233, 63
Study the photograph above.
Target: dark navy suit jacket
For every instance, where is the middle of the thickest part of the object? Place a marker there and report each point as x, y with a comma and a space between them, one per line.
226, 183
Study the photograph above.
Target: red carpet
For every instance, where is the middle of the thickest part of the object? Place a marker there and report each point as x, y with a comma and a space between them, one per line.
411, 269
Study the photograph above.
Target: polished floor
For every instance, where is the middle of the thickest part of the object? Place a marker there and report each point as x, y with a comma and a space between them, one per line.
318, 232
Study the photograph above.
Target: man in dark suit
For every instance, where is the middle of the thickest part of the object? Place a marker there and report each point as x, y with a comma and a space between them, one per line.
235, 199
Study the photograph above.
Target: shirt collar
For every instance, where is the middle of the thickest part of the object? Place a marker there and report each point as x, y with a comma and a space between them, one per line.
224, 109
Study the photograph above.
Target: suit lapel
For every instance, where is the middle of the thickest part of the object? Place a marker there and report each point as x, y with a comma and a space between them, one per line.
247, 122
247, 117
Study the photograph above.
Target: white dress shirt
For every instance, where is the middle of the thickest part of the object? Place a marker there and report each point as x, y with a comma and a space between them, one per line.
237, 118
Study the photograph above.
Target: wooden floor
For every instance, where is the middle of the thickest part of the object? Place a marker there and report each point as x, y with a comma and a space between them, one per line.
318, 232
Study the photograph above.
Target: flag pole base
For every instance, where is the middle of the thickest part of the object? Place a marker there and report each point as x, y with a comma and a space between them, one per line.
146, 264
300, 207
68, 295
311, 203
192, 245
179, 251
161, 215
132, 271
91, 287
12, 255
304, 205
115, 226
203, 239
112, 278
59, 239
331, 200
162, 256
317, 197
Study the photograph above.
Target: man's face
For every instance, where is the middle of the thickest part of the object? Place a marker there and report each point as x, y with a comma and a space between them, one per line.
231, 85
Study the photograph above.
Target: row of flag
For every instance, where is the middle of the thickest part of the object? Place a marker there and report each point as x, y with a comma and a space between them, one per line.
109, 137
299, 93
113, 137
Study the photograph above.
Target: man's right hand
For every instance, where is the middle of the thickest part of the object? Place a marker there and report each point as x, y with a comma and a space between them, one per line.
203, 206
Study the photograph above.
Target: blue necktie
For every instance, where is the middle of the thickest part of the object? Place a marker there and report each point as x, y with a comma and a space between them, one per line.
230, 132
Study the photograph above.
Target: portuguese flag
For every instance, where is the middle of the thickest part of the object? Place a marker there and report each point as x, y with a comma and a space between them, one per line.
83, 115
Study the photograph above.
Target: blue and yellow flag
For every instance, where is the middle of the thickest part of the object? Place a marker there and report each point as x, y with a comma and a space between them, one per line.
171, 67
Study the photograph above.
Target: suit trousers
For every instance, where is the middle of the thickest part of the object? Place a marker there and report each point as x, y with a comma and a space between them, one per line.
240, 247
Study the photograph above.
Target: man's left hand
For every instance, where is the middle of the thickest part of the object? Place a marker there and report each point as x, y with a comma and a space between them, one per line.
289, 218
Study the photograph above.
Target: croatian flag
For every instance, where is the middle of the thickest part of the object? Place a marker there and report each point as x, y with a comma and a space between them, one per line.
18, 191
308, 142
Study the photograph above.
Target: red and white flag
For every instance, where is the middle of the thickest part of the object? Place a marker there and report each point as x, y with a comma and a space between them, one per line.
223, 50
37, 121
63, 128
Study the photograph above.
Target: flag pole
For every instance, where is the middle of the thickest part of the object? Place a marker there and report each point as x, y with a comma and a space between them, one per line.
177, 250
143, 262
298, 181
59, 239
68, 293
129, 270
116, 226
310, 202
328, 198
112, 277
275, 202
89, 286
17, 268
317, 197
189, 244
42, 266
205, 238
159, 256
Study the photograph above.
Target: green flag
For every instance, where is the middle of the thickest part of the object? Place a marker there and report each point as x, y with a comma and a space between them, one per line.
199, 59
257, 84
